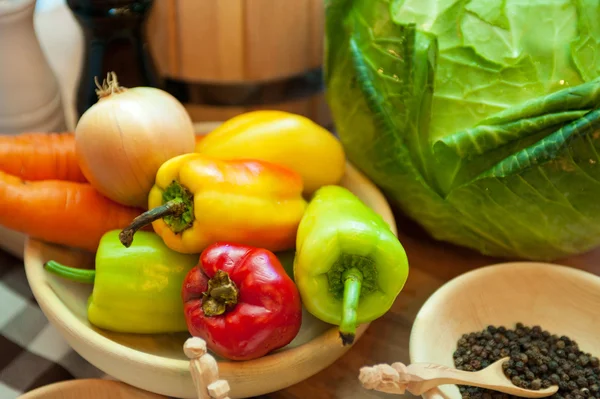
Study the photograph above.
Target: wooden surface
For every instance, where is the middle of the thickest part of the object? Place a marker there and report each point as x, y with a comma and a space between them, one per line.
236, 41
387, 339
89, 389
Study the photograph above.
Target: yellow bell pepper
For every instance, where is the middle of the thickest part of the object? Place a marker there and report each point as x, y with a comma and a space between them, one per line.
283, 138
197, 201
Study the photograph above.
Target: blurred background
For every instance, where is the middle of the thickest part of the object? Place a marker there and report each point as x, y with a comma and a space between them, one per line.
219, 58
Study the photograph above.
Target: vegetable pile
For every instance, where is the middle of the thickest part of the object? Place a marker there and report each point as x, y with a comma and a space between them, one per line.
228, 237
480, 119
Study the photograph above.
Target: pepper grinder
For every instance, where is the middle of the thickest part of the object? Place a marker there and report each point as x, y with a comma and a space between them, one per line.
114, 41
30, 98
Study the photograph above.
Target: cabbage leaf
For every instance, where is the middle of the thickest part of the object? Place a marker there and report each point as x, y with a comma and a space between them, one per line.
478, 118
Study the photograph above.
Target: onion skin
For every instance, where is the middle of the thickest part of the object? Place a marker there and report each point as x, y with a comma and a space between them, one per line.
123, 139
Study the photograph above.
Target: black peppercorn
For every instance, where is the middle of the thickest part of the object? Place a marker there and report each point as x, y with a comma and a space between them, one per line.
554, 378
582, 382
536, 384
566, 367
594, 388
572, 385
519, 366
516, 380
594, 362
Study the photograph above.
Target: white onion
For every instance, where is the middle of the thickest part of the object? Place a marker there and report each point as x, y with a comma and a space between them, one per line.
124, 138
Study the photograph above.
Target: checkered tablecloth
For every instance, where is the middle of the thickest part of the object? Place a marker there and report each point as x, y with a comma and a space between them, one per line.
32, 352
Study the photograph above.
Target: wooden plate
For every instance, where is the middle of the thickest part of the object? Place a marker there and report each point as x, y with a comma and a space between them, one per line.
560, 299
89, 389
156, 363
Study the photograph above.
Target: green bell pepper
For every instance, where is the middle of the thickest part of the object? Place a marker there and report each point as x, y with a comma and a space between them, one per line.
136, 289
349, 265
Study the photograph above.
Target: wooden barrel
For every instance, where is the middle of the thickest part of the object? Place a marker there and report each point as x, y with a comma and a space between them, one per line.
225, 57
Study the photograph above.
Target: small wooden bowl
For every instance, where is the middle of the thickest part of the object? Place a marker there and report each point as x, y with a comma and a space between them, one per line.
89, 389
156, 363
560, 299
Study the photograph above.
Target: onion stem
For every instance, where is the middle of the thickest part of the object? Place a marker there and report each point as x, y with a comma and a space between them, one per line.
109, 86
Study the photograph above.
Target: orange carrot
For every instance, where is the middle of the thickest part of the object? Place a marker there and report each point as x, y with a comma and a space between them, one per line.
40, 156
43, 156
61, 212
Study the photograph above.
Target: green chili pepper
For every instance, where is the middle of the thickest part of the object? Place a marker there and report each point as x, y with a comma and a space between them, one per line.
136, 289
349, 265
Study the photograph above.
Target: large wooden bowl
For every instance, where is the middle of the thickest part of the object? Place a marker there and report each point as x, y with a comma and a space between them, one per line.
157, 363
560, 299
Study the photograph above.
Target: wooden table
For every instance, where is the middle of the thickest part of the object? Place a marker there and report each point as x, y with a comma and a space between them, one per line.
432, 264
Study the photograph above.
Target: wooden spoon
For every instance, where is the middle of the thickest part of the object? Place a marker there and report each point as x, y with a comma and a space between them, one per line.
420, 377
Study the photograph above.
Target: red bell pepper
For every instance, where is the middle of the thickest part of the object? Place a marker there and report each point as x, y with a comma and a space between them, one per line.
240, 300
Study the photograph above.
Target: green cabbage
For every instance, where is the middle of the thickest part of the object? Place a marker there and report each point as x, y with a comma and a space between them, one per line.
478, 118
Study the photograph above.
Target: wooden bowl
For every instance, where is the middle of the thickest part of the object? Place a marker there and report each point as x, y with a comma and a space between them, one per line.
560, 299
89, 389
157, 363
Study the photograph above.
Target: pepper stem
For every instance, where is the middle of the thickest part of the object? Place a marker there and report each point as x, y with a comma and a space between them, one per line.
352, 285
174, 207
71, 273
221, 295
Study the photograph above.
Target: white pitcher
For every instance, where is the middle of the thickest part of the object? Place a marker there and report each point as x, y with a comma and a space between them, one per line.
30, 98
